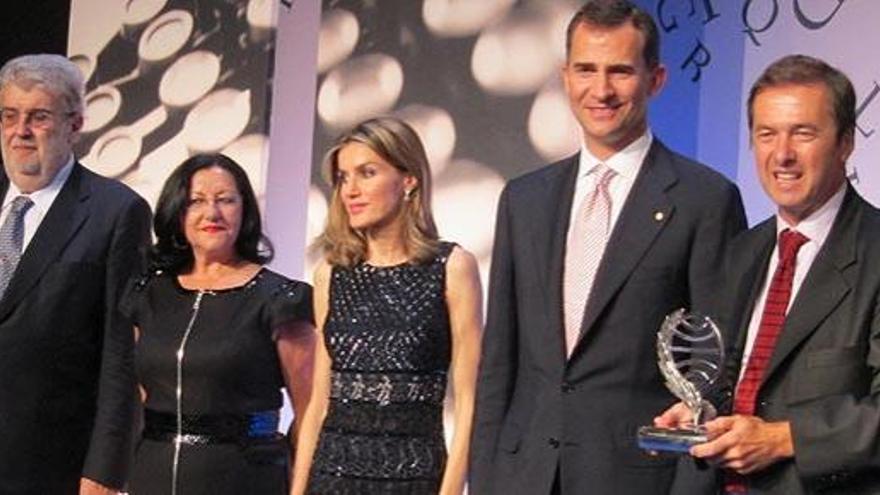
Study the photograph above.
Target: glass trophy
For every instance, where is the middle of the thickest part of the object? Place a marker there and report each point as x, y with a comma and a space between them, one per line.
690, 355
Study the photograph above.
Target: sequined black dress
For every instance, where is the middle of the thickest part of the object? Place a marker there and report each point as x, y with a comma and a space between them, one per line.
388, 336
230, 367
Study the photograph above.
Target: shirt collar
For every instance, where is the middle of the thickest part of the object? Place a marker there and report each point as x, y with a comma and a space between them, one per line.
818, 225
44, 197
625, 163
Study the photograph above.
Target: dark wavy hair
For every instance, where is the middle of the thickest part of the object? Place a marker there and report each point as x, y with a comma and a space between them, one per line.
172, 252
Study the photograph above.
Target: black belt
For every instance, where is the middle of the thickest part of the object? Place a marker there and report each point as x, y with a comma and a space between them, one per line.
205, 429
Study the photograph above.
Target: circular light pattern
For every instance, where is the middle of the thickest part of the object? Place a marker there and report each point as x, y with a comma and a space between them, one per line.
149, 177
85, 64
514, 57
217, 120
260, 14
102, 105
436, 129
337, 38
359, 88
140, 11
189, 78
553, 131
169, 48
557, 15
165, 36
251, 152
467, 187
93, 25
458, 18
117, 150
317, 217
318, 208
517, 50
114, 154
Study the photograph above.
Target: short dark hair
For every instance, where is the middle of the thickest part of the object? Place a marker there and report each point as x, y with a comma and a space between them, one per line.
614, 13
172, 252
804, 70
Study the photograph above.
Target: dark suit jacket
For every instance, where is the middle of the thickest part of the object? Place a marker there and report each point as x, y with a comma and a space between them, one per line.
824, 375
538, 412
67, 389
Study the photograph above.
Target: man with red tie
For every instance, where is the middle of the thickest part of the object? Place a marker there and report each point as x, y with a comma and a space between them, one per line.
803, 405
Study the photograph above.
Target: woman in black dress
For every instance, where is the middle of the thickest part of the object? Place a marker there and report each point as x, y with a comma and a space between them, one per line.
397, 311
218, 337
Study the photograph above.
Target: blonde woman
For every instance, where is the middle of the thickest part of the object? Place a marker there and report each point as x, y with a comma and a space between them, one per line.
397, 310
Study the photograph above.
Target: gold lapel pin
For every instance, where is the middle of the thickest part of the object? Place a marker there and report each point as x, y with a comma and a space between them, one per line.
658, 216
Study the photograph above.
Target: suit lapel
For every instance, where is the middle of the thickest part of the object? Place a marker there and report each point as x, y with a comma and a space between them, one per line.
550, 228
750, 275
825, 284
61, 222
646, 212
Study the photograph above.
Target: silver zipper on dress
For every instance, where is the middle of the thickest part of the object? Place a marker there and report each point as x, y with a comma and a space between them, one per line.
180, 353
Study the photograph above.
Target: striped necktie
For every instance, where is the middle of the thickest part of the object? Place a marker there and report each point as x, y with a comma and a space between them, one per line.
772, 321
11, 238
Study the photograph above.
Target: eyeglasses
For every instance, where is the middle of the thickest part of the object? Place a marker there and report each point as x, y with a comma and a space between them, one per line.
37, 119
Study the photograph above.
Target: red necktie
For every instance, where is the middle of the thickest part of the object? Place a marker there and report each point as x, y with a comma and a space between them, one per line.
772, 321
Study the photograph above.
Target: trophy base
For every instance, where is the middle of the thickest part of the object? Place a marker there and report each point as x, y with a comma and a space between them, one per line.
670, 440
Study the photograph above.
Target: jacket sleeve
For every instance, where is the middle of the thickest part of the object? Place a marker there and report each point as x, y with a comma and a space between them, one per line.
498, 364
714, 234
837, 436
110, 448
709, 277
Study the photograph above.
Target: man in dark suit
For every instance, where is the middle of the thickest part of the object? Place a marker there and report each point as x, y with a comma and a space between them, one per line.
69, 239
804, 413
590, 255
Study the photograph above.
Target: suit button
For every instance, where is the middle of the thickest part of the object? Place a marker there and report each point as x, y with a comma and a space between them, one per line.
553, 442
567, 387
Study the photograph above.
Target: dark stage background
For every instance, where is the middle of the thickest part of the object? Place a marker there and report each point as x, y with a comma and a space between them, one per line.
33, 26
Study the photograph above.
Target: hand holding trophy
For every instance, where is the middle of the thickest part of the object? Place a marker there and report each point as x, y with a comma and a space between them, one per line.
690, 355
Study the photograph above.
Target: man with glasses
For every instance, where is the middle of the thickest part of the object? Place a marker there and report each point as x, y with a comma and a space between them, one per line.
69, 240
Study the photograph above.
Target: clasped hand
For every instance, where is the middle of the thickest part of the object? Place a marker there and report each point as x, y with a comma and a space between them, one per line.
744, 444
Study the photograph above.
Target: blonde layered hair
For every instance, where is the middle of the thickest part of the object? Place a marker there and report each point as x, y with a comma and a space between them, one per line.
399, 145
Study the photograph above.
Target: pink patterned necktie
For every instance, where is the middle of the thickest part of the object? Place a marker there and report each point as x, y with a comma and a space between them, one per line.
586, 244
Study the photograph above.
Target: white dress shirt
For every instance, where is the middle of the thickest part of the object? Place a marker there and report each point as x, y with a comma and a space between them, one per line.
42, 199
816, 227
626, 164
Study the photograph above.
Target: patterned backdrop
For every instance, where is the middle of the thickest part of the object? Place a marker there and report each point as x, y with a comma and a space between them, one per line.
478, 81
170, 78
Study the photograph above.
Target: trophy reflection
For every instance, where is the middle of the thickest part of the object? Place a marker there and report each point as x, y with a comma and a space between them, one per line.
690, 355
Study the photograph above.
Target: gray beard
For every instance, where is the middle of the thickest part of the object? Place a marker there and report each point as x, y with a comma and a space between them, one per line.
30, 169
33, 168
